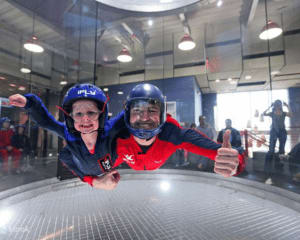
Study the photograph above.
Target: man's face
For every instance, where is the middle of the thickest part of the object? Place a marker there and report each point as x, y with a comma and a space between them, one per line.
228, 123
85, 114
202, 120
144, 115
6, 125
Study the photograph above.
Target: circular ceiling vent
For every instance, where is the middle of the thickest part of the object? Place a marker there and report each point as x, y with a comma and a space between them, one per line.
149, 5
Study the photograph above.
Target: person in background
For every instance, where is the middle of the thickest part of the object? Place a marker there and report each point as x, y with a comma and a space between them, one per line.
205, 128
21, 143
6, 148
277, 131
235, 137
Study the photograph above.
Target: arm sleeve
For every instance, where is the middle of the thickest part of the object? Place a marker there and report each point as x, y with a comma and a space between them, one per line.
193, 141
196, 142
114, 125
42, 117
66, 157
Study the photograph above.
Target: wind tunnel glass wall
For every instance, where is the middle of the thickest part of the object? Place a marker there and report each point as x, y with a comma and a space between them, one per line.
83, 40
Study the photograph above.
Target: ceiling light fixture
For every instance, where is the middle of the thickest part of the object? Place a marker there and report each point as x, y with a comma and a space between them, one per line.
217, 80
150, 22
22, 88
219, 3
33, 46
105, 89
2, 78
186, 43
248, 77
124, 56
12, 85
120, 93
25, 70
63, 82
229, 79
270, 31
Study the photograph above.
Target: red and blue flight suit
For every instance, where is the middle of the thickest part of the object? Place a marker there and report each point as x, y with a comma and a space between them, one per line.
83, 163
169, 136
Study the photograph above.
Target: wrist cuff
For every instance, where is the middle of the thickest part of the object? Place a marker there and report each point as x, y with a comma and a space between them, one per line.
88, 179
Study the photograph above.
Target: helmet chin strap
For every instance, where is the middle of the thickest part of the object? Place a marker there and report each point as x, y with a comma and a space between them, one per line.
89, 132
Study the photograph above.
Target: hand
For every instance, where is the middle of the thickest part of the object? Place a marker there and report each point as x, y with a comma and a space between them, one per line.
108, 181
227, 161
17, 100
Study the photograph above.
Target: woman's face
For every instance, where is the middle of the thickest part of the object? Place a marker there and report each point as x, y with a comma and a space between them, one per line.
85, 114
277, 105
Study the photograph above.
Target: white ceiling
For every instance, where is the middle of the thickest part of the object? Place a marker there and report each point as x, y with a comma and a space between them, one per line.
226, 37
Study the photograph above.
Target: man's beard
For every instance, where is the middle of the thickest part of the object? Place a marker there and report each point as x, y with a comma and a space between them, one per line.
149, 125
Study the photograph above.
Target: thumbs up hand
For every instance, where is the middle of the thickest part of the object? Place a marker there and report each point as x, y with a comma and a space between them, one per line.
227, 161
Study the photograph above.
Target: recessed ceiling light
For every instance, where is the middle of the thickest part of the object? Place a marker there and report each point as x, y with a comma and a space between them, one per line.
120, 93
150, 22
105, 89
63, 82
22, 88
2, 78
229, 79
248, 77
12, 85
25, 70
219, 3
217, 80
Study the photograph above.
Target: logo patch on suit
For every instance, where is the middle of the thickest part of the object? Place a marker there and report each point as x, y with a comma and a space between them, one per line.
105, 163
128, 158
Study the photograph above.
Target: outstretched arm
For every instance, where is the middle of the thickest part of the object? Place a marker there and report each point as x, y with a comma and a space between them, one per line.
266, 113
38, 111
228, 161
107, 181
